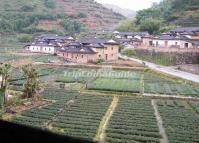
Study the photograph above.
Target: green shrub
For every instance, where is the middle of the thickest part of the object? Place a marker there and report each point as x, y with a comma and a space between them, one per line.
81, 15
129, 52
72, 26
27, 8
99, 61
49, 3
24, 39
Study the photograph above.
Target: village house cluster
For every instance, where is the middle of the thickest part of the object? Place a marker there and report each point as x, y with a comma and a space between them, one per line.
79, 51
86, 50
179, 38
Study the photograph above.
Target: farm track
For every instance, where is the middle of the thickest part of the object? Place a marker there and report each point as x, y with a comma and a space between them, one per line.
171, 97
142, 84
100, 136
89, 66
160, 123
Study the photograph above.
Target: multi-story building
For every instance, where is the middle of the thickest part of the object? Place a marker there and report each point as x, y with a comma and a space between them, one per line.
90, 50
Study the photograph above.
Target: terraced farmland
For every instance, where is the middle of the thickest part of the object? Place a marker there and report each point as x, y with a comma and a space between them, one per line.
180, 121
170, 88
82, 119
71, 114
133, 121
126, 85
39, 117
58, 95
155, 84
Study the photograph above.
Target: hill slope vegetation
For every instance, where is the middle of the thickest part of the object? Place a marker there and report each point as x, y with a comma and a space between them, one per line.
165, 16
54, 15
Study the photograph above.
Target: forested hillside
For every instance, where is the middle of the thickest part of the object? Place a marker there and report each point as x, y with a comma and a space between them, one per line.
61, 16
166, 15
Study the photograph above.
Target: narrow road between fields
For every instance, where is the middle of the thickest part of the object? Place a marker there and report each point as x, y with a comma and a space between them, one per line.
160, 123
100, 136
164, 96
164, 69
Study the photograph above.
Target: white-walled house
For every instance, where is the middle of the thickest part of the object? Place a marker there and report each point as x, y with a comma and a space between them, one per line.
42, 48
48, 43
169, 41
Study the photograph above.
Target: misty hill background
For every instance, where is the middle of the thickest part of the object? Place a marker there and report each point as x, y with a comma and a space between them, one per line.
123, 11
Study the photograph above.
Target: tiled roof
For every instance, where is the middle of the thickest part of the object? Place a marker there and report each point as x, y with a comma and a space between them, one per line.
53, 37
185, 29
195, 42
80, 49
43, 44
170, 37
95, 41
133, 33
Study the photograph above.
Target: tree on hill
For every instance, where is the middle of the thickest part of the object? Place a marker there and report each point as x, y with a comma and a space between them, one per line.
163, 16
151, 25
127, 25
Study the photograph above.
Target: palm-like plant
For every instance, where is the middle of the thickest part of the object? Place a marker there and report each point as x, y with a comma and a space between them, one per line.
5, 71
31, 83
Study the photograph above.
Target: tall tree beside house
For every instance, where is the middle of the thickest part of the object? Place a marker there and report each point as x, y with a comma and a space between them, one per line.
31, 82
5, 71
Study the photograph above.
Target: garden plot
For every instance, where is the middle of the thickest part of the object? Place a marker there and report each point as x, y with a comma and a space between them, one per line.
45, 58
180, 121
58, 95
84, 75
171, 88
74, 75
195, 106
39, 117
9, 57
133, 121
121, 85
82, 118
158, 85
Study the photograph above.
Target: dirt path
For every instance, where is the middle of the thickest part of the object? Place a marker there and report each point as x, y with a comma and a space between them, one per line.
160, 123
100, 136
171, 97
142, 84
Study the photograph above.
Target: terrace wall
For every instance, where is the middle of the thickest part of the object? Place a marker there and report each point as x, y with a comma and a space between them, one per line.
78, 57
182, 56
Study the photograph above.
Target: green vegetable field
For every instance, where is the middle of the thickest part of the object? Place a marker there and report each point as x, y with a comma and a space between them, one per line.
133, 121
115, 85
83, 118
180, 121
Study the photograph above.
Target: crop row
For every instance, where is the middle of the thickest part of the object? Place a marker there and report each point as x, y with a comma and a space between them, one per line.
115, 85
85, 75
170, 88
195, 106
133, 121
38, 117
83, 117
53, 94
180, 121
